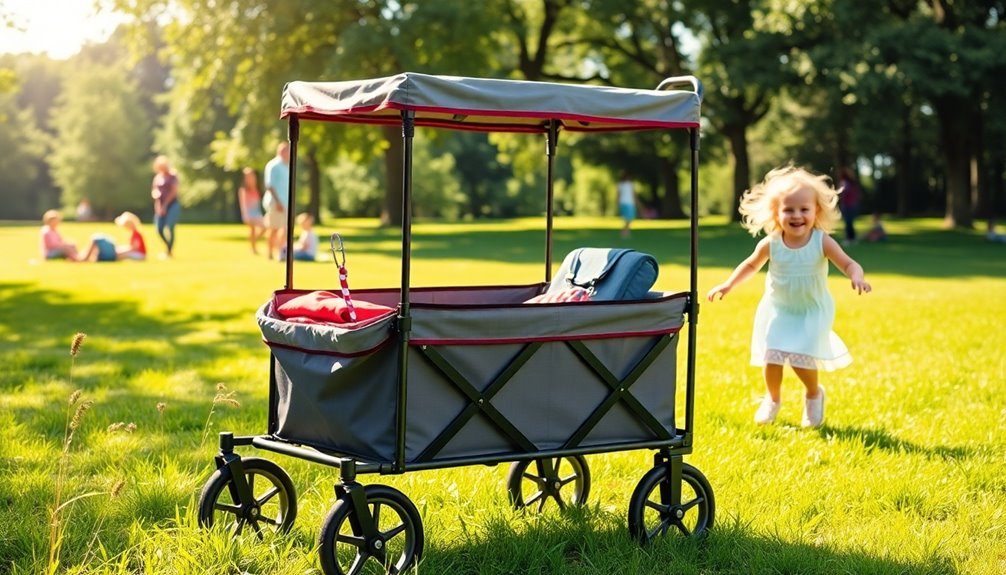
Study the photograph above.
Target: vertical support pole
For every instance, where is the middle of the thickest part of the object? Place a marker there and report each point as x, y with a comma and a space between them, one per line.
693, 294
273, 425
404, 318
293, 136
551, 141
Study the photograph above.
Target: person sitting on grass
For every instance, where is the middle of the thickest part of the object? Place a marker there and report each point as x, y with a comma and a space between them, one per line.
53, 246
306, 248
993, 236
877, 232
102, 249
137, 248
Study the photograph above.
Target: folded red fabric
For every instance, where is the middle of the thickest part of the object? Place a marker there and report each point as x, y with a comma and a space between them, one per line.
327, 306
571, 294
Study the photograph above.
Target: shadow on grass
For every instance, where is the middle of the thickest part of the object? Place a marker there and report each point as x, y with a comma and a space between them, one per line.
565, 543
39, 324
880, 439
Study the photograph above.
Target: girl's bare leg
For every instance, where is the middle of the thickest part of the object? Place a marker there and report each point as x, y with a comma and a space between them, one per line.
773, 381
809, 379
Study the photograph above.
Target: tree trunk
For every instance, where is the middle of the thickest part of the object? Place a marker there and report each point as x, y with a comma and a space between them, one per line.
391, 215
670, 203
737, 136
313, 183
904, 165
955, 140
979, 174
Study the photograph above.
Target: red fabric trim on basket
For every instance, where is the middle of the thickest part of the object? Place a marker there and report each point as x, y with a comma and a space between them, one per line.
544, 338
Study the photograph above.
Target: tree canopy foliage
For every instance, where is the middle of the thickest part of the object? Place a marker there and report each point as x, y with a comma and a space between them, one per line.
904, 90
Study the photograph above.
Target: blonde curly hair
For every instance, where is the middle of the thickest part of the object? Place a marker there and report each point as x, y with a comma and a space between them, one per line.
760, 205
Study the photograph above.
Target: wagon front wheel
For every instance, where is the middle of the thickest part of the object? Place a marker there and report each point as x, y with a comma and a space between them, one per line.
272, 506
564, 479
652, 513
393, 545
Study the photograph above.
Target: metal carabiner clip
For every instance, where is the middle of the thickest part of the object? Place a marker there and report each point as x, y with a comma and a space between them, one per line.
335, 242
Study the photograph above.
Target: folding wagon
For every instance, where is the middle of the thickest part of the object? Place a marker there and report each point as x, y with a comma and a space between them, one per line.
452, 376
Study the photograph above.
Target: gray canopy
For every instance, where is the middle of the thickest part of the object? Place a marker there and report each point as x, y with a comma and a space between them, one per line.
494, 105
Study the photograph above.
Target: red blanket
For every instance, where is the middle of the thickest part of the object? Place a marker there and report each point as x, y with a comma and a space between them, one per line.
329, 307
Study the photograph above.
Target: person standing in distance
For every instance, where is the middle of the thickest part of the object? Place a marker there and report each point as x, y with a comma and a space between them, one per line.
626, 202
277, 197
167, 208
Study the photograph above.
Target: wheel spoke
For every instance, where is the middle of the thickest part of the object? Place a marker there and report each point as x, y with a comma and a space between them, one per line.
541, 504
376, 514
270, 521
251, 483
258, 530
558, 499
358, 562
692, 503
353, 540
663, 509
682, 528
393, 532
382, 556
568, 479
239, 526
660, 529
268, 495
538, 480
531, 500
235, 509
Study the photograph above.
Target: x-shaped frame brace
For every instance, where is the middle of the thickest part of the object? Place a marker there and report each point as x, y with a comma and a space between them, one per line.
478, 401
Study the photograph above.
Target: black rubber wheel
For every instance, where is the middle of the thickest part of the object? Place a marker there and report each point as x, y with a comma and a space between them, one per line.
275, 502
528, 486
652, 516
398, 545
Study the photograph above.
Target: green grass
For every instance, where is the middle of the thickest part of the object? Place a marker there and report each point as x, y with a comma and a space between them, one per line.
907, 476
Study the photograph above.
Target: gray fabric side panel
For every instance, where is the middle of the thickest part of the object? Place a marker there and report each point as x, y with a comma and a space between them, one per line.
493, 101
322, 337
565, 320
346, 405
547, 400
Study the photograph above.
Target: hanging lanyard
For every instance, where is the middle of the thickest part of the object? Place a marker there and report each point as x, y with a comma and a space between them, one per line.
338, 249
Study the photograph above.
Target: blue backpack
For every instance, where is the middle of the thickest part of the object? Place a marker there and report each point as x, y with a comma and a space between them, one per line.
607, 273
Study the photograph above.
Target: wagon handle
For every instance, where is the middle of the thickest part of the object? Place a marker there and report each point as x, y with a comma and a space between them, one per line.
682, 82
335, 242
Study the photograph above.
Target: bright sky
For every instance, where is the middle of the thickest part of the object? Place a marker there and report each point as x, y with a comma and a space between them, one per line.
56, 27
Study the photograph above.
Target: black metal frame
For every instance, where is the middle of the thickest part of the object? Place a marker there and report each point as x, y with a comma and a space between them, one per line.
670, 448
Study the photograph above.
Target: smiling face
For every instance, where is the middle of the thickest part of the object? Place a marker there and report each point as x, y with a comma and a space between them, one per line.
796, 214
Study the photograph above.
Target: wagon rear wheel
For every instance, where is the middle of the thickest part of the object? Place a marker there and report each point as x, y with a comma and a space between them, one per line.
564, 479
272, 508
396, 545
652, 515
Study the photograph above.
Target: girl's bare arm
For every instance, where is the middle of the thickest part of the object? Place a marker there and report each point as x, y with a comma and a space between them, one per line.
743, 271
847, 265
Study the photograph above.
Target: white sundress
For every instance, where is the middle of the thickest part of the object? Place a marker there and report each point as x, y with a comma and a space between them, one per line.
795, 316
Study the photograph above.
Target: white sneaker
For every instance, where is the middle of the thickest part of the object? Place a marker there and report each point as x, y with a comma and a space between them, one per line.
813, 409
767, 411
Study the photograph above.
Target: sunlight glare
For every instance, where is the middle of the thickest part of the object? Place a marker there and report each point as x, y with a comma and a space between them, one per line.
55, 27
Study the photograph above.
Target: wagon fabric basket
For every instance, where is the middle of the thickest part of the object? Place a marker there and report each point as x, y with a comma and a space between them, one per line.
488, 375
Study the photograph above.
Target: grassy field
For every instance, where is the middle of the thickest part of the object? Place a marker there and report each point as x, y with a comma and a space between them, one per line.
908, 474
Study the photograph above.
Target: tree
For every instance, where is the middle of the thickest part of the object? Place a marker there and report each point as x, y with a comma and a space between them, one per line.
102, 145
247, 50
941, 53
22, 148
